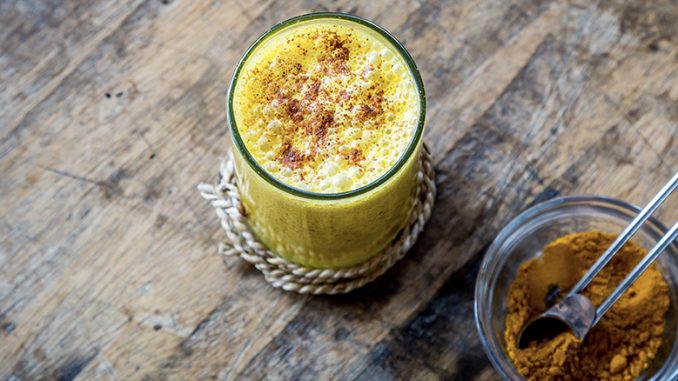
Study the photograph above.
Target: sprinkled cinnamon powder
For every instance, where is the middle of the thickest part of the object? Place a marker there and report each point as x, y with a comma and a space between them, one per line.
320, 101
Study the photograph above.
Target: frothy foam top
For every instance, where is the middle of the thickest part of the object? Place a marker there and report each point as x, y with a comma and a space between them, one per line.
326, 107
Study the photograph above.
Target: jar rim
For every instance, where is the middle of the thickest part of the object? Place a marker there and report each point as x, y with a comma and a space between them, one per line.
411, 147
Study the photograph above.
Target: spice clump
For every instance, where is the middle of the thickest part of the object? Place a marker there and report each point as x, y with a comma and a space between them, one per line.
626, 340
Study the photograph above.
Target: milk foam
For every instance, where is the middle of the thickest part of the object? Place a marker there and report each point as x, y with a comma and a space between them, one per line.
326, 108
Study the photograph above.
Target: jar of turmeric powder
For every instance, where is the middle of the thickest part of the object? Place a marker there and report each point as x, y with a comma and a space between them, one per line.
523, 240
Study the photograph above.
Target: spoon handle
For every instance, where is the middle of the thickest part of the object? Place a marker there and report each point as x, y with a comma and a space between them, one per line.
625, 235
637, 272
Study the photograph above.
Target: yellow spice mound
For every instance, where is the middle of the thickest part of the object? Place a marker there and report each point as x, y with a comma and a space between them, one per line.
326, 106
626, 339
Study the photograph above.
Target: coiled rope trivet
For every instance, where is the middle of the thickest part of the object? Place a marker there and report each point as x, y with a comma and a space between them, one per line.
241, 242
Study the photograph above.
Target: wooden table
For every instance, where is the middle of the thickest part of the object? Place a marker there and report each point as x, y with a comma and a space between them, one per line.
112, 112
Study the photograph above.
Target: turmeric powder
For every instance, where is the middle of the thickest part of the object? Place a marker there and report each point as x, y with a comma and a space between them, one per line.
621, 346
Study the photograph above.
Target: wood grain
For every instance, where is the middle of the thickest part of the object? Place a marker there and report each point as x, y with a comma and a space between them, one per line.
112, 112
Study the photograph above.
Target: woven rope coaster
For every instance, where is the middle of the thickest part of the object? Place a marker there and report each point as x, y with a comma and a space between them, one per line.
241, 242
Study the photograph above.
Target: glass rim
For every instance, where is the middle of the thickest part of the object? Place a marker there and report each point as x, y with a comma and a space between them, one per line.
411, 147
484, 283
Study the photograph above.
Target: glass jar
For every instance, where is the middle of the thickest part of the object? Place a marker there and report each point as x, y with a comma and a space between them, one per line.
525, 237
328, 230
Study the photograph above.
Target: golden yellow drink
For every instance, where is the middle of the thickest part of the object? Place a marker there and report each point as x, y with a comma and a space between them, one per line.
326, 113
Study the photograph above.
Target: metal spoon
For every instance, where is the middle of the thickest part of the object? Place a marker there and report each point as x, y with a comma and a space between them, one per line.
575, 312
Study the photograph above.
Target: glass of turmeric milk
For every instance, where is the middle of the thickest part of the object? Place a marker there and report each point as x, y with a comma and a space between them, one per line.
326, 113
